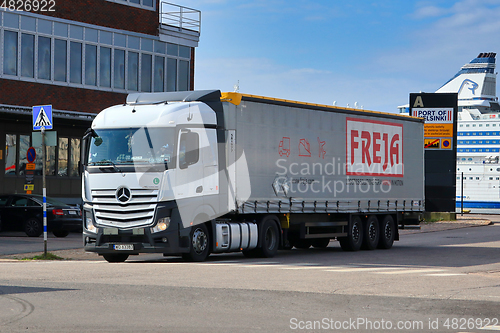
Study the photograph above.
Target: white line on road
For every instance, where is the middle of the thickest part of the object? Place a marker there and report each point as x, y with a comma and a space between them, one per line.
312, 267
361, 269
445, 274
412, 271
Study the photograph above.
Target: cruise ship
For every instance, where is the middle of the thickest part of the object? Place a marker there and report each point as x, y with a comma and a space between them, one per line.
478, 132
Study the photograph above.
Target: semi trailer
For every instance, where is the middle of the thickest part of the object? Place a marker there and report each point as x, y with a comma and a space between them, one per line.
200, 172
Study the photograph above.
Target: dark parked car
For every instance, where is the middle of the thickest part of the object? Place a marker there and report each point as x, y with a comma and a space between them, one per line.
24, 212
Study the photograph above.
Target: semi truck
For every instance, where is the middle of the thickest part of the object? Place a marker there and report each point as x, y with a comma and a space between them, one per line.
199, 172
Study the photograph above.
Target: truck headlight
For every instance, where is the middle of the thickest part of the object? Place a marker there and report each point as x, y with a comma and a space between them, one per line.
161, 225
89, 225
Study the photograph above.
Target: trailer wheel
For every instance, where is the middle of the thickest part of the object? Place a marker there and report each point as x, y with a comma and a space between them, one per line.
371, 233
114, 257
199, 247
387, 233
320, 243
354, 238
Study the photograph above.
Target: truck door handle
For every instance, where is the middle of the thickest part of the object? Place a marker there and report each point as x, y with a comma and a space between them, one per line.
199, 189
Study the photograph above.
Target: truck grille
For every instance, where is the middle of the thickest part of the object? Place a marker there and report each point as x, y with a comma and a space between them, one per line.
137, 212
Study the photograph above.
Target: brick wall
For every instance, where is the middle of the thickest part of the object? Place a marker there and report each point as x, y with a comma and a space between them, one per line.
62, 98
108, 14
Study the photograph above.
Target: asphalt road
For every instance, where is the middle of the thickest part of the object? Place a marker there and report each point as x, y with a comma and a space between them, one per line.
447, 281
18, 242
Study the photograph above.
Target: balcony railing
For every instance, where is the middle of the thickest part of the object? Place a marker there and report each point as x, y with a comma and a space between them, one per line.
182, 18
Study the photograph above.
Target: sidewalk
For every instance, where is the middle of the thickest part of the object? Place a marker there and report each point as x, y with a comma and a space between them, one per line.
461, 222
465, 221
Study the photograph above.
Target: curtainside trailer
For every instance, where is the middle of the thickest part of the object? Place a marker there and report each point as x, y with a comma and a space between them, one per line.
199, 172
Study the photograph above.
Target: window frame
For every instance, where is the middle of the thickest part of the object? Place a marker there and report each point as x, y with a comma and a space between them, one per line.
92, 35
131, 4
20, 159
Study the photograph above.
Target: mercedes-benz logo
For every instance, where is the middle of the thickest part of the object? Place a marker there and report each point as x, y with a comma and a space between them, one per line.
123, 194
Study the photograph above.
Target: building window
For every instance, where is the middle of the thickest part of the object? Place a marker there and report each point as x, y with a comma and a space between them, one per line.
91, 65
119, 69
62, 161
98, 58
50, 161
146, 68
10, 53
24, 144
105, 67
75, 62
171, 74
60, 57
67, 152
44, 58
133, 71
183, 75
159, 73
74, 158
145, 4
10, 154
27, 55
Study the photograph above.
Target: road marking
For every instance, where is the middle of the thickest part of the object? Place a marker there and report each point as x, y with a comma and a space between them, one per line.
217, 263
311, 267
445, 274
361, 269
412, 271
262, 262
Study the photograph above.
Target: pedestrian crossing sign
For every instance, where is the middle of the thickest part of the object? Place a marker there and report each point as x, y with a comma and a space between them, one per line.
42, 117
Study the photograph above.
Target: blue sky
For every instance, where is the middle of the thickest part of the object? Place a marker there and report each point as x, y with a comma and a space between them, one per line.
320, 51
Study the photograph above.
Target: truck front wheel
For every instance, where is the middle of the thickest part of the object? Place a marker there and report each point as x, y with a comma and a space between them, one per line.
199, 247
113, 257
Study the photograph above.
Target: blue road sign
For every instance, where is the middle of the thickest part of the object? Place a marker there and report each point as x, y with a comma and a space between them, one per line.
42, 117
31, 154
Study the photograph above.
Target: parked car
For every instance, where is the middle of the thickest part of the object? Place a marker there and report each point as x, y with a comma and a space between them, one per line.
24, 212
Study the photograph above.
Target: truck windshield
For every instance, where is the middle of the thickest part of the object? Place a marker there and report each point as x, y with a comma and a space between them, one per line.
138, 146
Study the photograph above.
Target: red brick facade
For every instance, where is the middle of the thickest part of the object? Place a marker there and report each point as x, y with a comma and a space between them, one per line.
24, 93
108, 14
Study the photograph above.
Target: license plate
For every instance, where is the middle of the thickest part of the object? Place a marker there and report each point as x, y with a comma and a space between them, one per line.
123, 247
72, 212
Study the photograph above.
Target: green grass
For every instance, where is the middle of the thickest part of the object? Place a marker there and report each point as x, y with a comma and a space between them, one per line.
49, 256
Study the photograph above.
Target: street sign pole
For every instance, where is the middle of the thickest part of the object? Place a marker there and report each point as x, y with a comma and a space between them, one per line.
44, 196
42, 120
